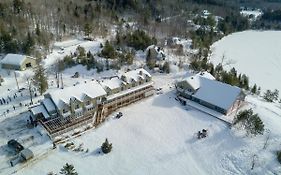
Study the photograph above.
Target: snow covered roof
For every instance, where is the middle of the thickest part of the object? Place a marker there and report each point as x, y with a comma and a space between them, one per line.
216, 93
193, 81
91, 89
49, 104
39, 109
14, 59
136, 74
206, 75
111, 83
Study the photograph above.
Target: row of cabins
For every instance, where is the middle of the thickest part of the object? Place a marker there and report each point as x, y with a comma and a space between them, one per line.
91, 102
203, 89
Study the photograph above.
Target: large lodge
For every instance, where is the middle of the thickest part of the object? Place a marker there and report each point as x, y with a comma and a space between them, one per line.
91, 102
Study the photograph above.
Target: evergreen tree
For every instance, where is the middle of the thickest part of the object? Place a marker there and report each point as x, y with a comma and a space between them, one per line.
40, 79
68, 169
28, 46
87, 29
251, 122
254, 89
106, 147
108, 51
279, 156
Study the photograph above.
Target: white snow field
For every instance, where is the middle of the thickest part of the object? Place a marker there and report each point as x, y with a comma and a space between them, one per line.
157, 136
254, 53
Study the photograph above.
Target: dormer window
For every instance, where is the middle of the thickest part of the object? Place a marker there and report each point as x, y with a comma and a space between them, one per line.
88, 103
77, 106
64, 111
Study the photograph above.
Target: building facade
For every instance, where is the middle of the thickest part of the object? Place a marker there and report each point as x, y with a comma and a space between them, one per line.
210, 93
18, 62
91, 102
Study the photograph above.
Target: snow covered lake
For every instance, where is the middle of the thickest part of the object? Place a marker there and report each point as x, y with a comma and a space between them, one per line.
254, 53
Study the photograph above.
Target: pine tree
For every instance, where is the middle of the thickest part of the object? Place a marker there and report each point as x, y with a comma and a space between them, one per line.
106, 147
254, 89
68, 169
87, 29
40, 79
279, 156
251, 122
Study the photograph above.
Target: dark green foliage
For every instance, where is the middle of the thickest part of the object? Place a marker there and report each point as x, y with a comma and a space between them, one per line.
68, 169
271, 96
28, 45
106, 147
138, 39
108, 51
279, 156
251, 122
40, 79
254, 89
232, 23
88, 29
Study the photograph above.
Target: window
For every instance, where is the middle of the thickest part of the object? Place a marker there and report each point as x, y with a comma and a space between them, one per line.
64, 111
88, 103
28, 65
77, 106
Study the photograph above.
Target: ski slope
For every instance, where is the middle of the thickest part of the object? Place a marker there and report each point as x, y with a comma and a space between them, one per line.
254, 53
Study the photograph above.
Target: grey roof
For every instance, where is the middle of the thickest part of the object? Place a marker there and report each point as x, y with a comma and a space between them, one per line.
14, 59
216, 93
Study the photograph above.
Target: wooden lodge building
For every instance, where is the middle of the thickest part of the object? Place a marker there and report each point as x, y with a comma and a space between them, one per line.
89, 103
18, 62
203, 89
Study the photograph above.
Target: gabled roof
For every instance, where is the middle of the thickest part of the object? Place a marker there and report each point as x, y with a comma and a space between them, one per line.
214, 92
62, 97
111, 83
14, 59
206, 74
135, 74
193, 81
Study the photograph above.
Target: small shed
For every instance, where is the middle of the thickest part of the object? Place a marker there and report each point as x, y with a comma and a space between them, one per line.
18, 62
26, 154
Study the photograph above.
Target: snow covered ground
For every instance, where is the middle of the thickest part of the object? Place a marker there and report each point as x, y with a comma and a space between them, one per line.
155, 136
254, 53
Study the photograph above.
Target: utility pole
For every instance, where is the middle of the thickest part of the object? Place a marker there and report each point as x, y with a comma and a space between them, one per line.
16, 81
29, 88
61, 81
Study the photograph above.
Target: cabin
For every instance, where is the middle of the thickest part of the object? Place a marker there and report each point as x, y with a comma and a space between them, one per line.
18, 62
218, 96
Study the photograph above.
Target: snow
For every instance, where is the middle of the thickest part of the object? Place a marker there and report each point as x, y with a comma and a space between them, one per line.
49, 104
92, 89
157, 136
136, 74
214, 92
254, 53
254, 13
207, 75
111, 83
13, 59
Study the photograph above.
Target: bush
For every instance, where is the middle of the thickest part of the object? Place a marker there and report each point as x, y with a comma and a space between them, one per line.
271, 96
106, 147
279, 156
251, 122
166, 67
